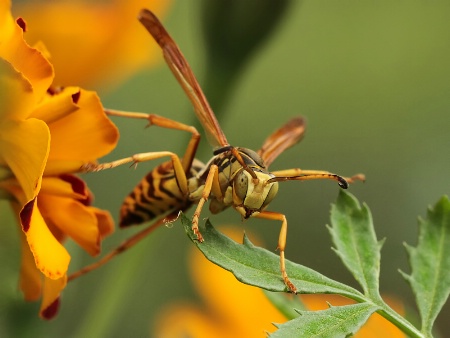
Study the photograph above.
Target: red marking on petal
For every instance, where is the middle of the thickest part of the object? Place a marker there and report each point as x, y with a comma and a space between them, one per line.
78, 186
25, 215
77, 183
51, 91
54, 90
52, 310
22, 24
76, 97
88, 200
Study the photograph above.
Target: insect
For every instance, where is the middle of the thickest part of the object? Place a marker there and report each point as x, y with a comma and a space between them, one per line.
234, 177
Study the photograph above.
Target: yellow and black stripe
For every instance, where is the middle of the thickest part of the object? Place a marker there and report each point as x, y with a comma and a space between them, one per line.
156, 194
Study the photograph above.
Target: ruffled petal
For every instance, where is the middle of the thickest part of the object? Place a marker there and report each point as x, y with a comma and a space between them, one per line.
104, 36
50, 300
59, 167
66, 185
55, 106
30, 280
73, 219
24, 148
51, 258
86, 134
104, 220
16, 94
28, 61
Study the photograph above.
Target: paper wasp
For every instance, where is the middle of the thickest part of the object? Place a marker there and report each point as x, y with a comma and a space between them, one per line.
234, 176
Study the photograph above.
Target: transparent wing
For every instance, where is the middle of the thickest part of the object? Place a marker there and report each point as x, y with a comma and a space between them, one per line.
183, 73
283, 138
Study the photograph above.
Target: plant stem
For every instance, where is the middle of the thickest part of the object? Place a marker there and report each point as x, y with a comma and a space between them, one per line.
399, 321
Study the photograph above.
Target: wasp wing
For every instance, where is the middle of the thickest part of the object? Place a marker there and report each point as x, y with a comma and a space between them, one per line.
283, 138
183, 73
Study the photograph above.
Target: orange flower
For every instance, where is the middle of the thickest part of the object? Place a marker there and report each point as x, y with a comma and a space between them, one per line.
91, 42
45, 136
233, 309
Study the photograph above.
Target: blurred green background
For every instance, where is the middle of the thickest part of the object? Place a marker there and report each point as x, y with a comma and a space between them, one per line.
373, 80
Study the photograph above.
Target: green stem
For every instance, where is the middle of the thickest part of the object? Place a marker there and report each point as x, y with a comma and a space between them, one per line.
399, 321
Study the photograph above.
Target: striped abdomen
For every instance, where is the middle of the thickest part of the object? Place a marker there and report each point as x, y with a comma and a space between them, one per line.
155, 195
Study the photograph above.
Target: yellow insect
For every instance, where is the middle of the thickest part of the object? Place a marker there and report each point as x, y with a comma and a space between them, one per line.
234, 176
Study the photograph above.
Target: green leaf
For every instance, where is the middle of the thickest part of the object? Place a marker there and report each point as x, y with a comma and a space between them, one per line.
259, 267
355, 242
286, 304
339, 321
430, 264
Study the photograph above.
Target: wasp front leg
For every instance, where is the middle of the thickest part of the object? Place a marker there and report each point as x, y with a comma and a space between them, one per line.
281, 244
202, 195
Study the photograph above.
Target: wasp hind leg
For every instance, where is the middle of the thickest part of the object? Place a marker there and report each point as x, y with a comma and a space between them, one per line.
281, 244
127, 244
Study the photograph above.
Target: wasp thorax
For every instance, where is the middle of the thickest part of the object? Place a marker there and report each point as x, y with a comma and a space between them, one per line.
251, 196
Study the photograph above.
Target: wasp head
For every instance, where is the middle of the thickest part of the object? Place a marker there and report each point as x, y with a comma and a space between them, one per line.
252, 193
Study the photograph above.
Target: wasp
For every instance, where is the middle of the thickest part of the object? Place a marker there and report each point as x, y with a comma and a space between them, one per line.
234, 177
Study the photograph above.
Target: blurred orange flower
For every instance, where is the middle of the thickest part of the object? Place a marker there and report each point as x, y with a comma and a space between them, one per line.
92, 43
46, 135
233, 309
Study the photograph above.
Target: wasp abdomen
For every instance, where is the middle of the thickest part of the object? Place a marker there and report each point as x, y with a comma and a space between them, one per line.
157, 194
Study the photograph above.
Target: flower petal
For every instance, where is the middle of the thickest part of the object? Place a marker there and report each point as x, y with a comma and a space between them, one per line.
86, 134
65, 186
184, 320
28, 61
104, 36
56, 106
16, 94
30, 280
24, 148
104, 220
50, 299
51, 258
72, 218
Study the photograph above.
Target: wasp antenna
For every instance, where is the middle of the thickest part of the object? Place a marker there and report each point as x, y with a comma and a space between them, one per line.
243, 164
342, 182
222, 149
357, 177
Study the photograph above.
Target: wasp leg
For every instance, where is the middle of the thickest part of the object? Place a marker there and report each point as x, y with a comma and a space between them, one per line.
163, 122
130, 242
211, 184
281, 244
143, 157
180, 167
